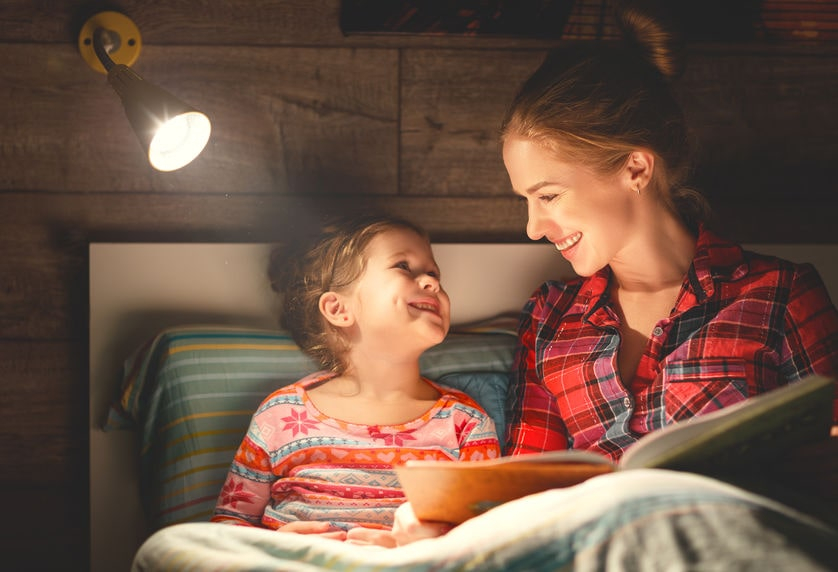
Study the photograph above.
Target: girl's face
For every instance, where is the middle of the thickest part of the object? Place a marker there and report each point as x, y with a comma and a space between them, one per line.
588, 217
399, 295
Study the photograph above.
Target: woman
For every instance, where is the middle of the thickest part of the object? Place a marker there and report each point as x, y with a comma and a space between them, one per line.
667, 320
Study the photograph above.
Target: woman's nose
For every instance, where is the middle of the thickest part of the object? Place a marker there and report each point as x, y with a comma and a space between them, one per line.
534, 227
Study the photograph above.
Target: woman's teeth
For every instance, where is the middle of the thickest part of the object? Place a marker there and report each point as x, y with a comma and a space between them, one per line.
569, 241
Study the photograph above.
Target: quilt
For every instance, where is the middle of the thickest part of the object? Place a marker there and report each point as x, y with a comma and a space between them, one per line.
643, 519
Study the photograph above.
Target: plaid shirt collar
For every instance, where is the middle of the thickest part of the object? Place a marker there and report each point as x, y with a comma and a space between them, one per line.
715, 260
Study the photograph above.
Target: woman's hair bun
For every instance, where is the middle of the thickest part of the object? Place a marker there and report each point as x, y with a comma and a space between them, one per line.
650, 28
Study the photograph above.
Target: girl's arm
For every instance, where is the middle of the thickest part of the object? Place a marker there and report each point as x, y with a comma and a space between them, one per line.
478, 439
247, 490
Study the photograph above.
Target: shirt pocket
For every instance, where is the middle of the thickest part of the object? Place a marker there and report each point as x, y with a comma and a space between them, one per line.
698, 386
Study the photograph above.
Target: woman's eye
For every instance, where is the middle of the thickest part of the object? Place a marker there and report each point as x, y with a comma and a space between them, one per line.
547, 198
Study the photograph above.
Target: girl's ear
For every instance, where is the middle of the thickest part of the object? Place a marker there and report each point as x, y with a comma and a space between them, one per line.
333, 307
639, 169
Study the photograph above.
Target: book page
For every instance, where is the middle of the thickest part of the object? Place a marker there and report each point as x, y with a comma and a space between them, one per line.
796, 413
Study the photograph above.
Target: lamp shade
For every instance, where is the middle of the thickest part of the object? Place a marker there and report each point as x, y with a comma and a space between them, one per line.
170, 131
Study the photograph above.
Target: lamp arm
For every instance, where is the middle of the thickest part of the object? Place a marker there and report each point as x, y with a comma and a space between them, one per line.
101, 37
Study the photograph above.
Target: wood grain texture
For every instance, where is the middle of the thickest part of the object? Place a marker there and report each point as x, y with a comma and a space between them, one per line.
49, 530
284, 120
763, 125
452, 106
206, 22
43, 399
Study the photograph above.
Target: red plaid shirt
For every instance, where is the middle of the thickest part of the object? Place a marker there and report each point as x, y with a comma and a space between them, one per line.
743, 324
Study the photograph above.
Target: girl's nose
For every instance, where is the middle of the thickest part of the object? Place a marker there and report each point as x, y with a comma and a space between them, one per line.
429, 282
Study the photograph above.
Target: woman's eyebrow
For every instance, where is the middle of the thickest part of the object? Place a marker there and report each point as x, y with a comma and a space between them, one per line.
542, 184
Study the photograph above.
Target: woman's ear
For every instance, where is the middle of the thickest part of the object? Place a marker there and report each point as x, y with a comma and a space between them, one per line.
639, 169
333, 307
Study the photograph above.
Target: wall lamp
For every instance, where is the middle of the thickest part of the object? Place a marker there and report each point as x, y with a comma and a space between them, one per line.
170, 131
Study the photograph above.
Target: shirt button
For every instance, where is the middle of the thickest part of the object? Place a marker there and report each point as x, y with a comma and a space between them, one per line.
657, 331
627, 402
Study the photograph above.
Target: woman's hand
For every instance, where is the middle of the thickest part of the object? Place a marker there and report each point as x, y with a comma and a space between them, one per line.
313, 527
407, 528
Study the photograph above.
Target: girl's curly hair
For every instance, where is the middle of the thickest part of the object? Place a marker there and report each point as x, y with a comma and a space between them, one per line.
332, 261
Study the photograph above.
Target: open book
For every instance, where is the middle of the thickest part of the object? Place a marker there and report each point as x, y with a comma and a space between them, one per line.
712, 444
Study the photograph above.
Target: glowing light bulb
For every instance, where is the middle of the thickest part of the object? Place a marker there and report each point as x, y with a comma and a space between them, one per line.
179, 140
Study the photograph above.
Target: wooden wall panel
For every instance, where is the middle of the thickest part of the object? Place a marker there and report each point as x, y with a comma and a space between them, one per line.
43, 440
44, 415
452, 104
296, 120
764, 123
255, 22
209, 22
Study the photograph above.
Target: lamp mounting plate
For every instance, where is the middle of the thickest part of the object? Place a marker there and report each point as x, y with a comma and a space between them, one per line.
125, 36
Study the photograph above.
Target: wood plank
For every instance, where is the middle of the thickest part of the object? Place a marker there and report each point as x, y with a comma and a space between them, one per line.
452, 106
180, 21
205, 22
310, 23
43, 425
43, 270
65, 220
47, 528
764, 125
284, 120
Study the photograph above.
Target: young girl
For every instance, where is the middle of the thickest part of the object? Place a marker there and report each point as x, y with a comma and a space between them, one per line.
364, 301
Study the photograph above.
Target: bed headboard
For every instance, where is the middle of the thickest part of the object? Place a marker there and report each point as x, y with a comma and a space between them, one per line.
136, 290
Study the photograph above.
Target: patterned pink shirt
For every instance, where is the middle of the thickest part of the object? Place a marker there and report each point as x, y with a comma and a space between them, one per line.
295, 463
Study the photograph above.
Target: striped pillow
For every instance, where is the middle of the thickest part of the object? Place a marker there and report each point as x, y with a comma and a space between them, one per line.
191, 391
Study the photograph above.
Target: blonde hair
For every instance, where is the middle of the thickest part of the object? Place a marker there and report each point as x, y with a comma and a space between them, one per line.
331, 261
595, 103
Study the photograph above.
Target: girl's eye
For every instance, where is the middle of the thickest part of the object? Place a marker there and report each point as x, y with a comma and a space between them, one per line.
433, 274
403, 265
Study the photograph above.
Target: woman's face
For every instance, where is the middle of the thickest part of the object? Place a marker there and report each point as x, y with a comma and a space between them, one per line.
587, 216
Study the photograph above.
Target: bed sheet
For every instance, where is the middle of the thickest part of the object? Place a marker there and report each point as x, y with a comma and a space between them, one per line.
642, 519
